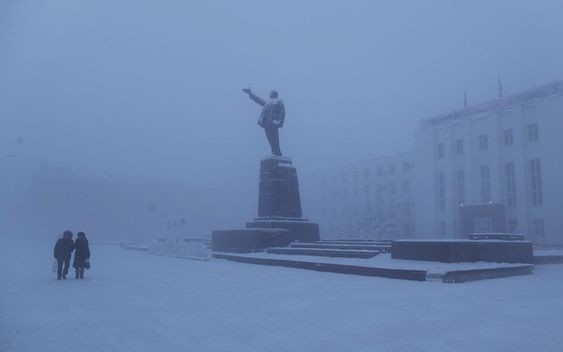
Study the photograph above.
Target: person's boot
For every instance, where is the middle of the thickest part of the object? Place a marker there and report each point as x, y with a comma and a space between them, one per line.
77, 274
82, 273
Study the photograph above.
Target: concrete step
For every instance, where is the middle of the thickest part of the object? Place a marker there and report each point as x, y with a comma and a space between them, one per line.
324, 252
391, 273
371, 242
368, 247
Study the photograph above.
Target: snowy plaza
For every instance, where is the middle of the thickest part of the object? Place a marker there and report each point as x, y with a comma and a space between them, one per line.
134, 302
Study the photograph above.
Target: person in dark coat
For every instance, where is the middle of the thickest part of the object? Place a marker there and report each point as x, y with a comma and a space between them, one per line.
63, 250
81, 255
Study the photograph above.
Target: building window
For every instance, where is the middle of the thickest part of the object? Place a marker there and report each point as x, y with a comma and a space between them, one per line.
442, 190
442, 229
441, 151
355, 191
533, 133
510, 185
392, 169
333, 178
406, 166
392, 188
460, 178
485, 184
483, 142
356, 175
539, 229
512, 226
343, 177
536, 182
379, 171
406, 186
508, 140
407, 230
459, 147
407, 208
367, 172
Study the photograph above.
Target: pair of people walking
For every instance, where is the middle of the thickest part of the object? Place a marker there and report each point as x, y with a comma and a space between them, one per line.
63, 250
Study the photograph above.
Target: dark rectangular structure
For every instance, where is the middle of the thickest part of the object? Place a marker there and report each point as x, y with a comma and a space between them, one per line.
458, 251
491, 214
459, 276
249, 240
278, 194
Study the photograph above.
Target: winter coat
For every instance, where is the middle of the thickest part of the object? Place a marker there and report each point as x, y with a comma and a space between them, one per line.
82, 252
63, 248
273, 112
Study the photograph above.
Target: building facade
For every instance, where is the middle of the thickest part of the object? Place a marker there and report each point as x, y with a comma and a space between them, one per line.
503, 152
369, 199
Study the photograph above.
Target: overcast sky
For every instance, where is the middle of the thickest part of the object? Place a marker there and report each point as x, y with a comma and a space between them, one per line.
152, 89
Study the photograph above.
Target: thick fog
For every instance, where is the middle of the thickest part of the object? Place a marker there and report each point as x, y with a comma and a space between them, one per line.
115, 115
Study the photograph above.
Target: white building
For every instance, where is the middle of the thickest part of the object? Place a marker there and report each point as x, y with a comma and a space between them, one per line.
504, 151
369, 199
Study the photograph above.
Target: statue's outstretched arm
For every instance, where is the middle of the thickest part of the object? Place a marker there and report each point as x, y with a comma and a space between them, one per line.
254, 97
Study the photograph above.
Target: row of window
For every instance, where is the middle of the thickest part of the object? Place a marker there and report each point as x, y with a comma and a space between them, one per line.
509, 179
404, 208
389, 188
389, 170
533, 136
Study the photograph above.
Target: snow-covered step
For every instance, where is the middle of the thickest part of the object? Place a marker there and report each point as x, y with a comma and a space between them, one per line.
384, 266
359, 242
369, 247
324, 252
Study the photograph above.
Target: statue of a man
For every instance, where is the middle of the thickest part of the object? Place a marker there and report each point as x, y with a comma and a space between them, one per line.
271, 118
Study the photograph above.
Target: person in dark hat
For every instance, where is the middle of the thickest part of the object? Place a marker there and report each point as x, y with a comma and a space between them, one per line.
63, 250
81, 255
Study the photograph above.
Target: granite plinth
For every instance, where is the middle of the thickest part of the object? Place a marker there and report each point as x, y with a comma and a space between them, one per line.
279, 220
248, 240
457, 251
298, 229
278, 194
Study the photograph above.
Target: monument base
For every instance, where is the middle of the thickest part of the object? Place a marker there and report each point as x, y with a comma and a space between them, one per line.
248, 240
298, 229
279, 221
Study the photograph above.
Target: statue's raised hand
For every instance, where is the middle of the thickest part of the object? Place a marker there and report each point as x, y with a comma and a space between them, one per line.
246, 90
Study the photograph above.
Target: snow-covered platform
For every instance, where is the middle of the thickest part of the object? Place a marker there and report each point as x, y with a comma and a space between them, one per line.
134, 302
384, 266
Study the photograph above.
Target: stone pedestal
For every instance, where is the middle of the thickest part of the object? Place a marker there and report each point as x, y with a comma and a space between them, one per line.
459, 251
278, 195
279, 220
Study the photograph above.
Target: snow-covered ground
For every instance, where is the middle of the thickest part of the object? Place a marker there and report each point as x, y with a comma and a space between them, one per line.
132, 302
